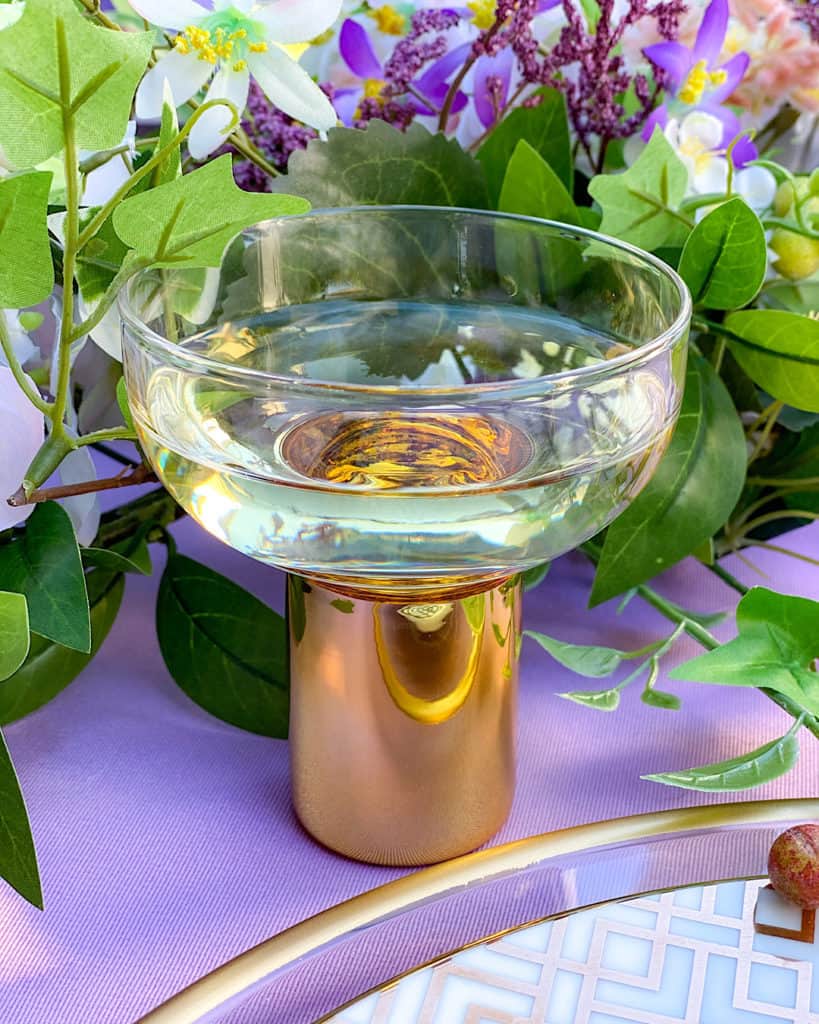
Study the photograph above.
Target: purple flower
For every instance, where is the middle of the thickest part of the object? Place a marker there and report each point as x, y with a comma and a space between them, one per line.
692, 75
383, 83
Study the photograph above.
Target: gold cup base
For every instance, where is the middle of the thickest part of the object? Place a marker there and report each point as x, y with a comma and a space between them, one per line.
403, 717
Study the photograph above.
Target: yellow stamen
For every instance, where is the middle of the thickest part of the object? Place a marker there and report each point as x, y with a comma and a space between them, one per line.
718, 77
388, 19
484, 13
373, 87
181, 44
240, 65
257, 47
325, 37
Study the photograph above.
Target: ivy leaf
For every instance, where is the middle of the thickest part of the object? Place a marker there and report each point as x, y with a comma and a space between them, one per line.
18, 860
26, 269
190, 221
532, 188
692, 493
602, 700
586, 660
545, 128
725, 258
639, 205
761, 765
44, 564
778, 639
99, 260
49, 668
383, 166
779, 351
14, 635
52, 43
224, 648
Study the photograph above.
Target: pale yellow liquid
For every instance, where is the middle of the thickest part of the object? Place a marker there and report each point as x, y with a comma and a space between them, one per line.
401, 497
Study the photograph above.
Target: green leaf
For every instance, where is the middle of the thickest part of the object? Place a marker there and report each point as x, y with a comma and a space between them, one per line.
544, 127
190, 221
44, 564
171, 167
49, 668
14, 635
100, 259
639, 205
761, 765
224, 648
53, 43
532, 188
725, 258
778, 640
383, 166
534, 577
661, 699
602, 700
345, 607
18, 860
587, 660
779, 351
124, 405
26, 269
695, 488
139, 561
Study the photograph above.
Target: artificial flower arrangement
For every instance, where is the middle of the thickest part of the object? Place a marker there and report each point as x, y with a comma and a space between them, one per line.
151, 133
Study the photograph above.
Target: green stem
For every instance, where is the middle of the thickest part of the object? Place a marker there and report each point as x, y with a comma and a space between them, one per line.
126, 271
728, 578
72, 202
159, 156
18, 373
157, 507
110, 434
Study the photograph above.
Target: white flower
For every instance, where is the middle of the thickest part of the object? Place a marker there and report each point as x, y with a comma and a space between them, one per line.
224, 46
9, 13
22, 428
697, 140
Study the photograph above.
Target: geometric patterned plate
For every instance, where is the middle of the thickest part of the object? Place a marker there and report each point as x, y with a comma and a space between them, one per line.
460, 942
694, 955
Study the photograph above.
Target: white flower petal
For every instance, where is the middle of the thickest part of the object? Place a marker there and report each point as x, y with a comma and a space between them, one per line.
289, 87
757, 186
672, 132
297, 21
170, 13
208, 132
185, 74
711, 175
701, 128
22, 429
83, 509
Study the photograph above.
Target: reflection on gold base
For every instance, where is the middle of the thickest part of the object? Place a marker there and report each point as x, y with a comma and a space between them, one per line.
402, 723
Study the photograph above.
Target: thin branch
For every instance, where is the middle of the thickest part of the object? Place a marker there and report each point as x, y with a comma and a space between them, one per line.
128, 477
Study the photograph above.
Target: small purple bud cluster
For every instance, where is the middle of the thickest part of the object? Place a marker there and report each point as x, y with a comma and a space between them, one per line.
584, 63
274, 133
415, 49
807, 11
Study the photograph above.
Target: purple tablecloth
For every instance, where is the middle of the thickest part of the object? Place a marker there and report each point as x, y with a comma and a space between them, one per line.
166, 839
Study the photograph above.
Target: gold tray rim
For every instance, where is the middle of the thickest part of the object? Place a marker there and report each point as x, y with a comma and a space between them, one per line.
251, 967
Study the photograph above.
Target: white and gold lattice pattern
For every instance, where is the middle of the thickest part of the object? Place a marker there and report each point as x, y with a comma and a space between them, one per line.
688, 956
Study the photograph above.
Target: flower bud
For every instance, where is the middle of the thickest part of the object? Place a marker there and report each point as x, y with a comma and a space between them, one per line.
798, 256
783, 201
793, 866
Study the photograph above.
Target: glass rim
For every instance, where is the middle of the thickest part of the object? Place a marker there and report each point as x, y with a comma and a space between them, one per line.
566, 379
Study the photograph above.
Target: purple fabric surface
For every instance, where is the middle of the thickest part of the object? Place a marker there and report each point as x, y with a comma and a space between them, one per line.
166, 839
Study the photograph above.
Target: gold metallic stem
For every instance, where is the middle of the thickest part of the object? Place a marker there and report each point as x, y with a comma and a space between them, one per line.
402, 722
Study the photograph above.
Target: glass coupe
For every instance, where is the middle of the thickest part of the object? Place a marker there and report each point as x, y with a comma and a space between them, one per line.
406, 408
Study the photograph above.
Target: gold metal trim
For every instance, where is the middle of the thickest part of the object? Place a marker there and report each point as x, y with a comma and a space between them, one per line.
252, 967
